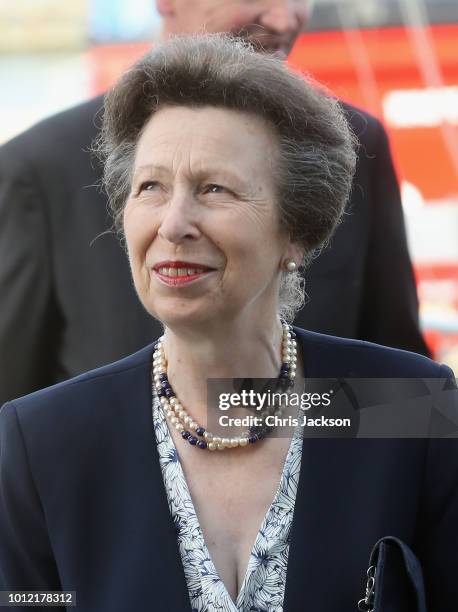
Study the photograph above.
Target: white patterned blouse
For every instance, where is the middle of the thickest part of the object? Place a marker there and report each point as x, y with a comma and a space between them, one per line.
263, 587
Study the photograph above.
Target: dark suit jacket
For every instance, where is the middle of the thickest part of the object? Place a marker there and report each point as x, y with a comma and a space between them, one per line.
83, 505
67, 302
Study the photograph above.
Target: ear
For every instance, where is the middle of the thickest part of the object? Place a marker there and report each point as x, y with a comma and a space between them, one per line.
165, 8
294, 251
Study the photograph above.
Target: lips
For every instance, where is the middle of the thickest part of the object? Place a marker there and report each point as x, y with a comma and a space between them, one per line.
180, 272
181, 265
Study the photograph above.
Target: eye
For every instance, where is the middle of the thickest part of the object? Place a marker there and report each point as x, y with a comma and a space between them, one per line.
213, 188
148, 186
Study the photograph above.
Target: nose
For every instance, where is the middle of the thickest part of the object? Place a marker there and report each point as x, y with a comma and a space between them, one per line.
178, 222
284, 16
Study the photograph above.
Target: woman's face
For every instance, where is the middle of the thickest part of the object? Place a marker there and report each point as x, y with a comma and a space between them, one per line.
201, 222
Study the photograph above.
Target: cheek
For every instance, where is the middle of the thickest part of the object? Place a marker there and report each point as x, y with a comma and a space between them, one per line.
140, 231
247, 255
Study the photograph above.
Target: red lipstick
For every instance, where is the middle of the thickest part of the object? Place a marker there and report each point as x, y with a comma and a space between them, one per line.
179, 273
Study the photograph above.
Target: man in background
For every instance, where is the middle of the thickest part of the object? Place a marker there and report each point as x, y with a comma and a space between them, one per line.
67, 302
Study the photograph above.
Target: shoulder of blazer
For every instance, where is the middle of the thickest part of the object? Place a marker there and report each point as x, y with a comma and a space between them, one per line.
329, 356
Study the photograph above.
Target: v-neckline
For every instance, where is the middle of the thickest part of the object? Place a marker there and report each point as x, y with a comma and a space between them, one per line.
196, 527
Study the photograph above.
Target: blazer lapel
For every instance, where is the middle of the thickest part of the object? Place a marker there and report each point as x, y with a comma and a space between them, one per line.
163, 564
320, 525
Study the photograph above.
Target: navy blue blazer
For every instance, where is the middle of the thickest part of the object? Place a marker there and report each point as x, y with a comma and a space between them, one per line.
83, 505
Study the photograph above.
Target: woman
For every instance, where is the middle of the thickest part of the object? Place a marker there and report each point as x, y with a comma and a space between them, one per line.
225, 173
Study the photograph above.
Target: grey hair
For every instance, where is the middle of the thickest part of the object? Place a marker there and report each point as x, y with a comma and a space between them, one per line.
316, 149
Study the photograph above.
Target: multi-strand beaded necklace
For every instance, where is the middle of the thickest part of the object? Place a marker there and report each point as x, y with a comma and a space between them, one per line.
197, 435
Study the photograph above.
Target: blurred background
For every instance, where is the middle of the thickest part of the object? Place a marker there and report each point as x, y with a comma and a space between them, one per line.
396, 58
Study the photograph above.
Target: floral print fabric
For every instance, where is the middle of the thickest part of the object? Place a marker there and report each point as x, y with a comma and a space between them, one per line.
264, 583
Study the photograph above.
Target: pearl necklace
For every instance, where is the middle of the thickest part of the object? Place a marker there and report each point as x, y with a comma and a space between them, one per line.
191, 431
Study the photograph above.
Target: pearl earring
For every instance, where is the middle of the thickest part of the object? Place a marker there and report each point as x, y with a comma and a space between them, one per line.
291, 265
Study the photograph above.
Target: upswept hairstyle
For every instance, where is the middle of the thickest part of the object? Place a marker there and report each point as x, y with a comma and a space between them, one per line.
316, 157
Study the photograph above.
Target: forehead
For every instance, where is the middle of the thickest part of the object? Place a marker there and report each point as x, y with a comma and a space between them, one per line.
181, 135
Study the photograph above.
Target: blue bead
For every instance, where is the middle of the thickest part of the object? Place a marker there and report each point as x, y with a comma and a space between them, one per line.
165, 384
185, 434
200, 431
169, 392
163, 377
253, 439
285, 367
192, 440
161, 393
202, 444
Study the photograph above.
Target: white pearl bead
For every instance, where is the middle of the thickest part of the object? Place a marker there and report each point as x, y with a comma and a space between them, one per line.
226, 442
182, 414
220, 446
173, 420
208, 435
235, 442
193, 425
243, 441
179, 426
187, 419
173, 400
216, 440
211, 446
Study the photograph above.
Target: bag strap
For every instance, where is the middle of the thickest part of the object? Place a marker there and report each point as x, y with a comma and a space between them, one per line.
379, 568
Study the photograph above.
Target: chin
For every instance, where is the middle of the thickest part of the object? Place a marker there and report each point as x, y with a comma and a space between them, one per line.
181, 314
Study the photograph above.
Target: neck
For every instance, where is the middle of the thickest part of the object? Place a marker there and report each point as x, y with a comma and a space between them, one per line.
237, 351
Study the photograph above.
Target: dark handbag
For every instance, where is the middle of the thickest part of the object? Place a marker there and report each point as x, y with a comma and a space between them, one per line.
394, 579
